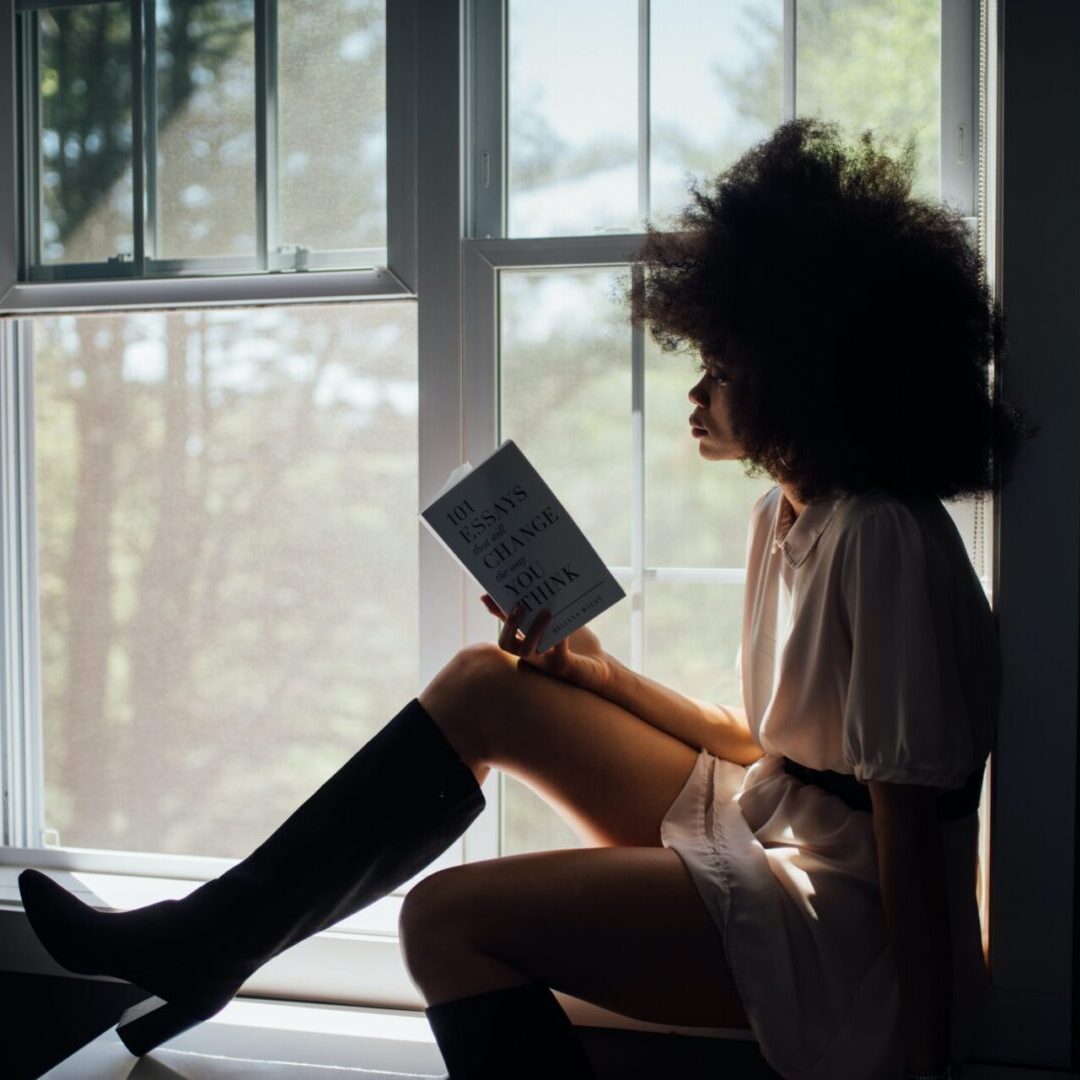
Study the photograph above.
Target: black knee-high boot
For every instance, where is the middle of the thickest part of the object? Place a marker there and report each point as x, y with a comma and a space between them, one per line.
396, 805
520, 1032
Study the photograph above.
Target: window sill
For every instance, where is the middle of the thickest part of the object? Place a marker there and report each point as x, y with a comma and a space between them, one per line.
272, 1040
357, 964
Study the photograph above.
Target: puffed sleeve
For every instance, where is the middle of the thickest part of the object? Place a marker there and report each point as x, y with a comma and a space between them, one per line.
904, 717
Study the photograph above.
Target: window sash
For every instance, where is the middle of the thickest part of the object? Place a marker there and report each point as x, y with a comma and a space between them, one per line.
269, 255
488, 120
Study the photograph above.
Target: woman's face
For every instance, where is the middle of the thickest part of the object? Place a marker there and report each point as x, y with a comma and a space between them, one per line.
710, 422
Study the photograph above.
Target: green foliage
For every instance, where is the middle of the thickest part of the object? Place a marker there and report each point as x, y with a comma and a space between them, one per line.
861, 63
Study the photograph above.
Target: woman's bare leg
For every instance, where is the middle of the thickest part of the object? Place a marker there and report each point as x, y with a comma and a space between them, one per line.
610, 774
621, 927
620, 923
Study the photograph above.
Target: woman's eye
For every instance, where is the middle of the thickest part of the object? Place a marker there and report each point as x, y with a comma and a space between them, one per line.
713, 373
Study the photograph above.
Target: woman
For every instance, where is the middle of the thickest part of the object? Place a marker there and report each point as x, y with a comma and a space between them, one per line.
845, 330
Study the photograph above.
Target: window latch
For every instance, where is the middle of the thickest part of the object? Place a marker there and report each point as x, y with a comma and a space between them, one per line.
299, 255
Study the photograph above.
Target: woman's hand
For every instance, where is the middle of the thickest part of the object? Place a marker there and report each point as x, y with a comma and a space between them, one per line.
577, 659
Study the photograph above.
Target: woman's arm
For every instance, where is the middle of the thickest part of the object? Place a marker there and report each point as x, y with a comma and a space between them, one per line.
911, 867
721, 729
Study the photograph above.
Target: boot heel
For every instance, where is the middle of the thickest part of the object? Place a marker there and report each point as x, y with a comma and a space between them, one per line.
151, 1023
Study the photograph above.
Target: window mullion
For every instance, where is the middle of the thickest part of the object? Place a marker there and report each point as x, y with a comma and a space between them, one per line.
13, 832
20, 712
486, 161
401, 70
138, 129
644, 109
149, 202
266, 131
959, 91
637, 487
636, 592
790, 19
30, 46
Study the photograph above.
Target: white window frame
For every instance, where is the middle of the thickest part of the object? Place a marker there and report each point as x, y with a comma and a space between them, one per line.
435, 172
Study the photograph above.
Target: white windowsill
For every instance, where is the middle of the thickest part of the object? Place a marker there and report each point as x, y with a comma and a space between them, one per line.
355, 968
270, 1039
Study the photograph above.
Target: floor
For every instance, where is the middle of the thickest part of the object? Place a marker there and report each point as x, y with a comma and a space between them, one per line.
64, 1029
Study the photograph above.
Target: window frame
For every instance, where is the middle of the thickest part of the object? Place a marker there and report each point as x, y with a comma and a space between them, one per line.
451, 272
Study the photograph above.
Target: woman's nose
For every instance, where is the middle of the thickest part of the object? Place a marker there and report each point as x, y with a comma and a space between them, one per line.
696, 394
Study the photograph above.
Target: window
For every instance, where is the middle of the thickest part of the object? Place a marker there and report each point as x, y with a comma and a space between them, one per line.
234, 297
202, 136
208, 434
646, 94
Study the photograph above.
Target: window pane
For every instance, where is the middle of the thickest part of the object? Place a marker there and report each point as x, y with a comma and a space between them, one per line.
572, 130
565, 400
228, 560
716, 87
205, 128
332, 116
565, 394
697, 510
876, 64
692, 635
530, 824
86, 135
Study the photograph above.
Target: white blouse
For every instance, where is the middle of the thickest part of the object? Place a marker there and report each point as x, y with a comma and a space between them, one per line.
880, 656
868, 648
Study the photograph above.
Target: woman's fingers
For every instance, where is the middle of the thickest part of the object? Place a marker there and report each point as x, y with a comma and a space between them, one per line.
494, 608
508, 637
536, 631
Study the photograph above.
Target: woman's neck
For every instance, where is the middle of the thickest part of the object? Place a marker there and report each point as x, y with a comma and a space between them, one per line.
789, 493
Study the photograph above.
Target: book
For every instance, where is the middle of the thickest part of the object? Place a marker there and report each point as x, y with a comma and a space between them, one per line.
503, 524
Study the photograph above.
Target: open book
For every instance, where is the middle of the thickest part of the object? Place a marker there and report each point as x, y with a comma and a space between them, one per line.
501, 522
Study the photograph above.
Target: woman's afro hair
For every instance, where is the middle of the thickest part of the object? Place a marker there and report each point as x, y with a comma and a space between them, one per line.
853, 319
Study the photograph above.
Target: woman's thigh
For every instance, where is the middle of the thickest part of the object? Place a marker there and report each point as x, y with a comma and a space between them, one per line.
608, 773
621, 927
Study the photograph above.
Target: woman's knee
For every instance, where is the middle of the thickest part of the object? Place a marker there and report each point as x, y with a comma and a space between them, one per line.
467, 693
482, 661
433, 920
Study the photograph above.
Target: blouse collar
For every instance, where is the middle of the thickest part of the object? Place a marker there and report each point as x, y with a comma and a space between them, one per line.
796, 536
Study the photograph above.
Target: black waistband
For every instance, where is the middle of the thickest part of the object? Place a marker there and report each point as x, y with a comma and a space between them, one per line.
951, 804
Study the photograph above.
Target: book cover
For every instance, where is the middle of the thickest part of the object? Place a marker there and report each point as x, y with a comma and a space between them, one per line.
504, 525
